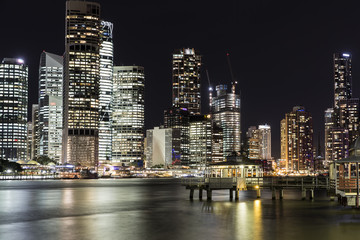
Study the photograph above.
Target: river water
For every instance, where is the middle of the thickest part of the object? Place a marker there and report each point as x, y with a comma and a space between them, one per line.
160, 209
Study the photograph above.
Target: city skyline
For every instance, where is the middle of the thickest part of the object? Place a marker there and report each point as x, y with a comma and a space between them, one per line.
305, 36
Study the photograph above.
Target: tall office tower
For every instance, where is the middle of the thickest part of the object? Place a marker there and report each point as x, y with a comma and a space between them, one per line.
128, 115
265, 142
259, 141
50, 105
35, 131
253, 139
81, 83
106, 83
186, 80
13, 109
161, 145
226, 114
29, 141
298, 131
342, 77
200, 140
176, 118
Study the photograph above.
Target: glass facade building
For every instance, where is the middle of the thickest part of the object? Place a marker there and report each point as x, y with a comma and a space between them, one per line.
106, 84
128, 115
81, 84
186, 80
50, 106
226, 114
13, 109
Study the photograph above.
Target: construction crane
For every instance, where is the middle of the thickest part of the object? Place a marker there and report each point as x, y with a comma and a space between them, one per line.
233, 81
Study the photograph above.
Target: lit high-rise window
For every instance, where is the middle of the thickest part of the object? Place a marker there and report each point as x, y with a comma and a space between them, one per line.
13, 109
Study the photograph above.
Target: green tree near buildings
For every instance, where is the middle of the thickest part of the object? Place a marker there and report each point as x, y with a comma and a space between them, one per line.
44, 160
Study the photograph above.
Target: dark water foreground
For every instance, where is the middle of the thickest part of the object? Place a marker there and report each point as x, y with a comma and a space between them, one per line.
160, 209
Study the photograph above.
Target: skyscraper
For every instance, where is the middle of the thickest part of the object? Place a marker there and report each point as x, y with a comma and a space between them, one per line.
161, 144
341, 121
226, 114
186, 80
297, 140
106, 84
259, 141
128, 115
342, 77
179, 118
81, 83
265, 142
13, 109
200, 136
50, 105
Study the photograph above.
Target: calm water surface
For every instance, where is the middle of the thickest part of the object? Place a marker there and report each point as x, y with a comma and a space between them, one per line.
160, 209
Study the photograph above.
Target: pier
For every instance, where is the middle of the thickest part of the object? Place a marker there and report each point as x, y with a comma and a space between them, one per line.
236, 184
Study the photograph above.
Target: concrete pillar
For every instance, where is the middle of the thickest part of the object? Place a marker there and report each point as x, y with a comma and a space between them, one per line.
281, 193
311, 194
273, 191
231, 194
200, 194
209, 193
258, 193
237, 194
192, 194
303, 194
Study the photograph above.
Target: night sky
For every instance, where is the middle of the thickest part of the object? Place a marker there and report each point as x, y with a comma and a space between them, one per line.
281, 51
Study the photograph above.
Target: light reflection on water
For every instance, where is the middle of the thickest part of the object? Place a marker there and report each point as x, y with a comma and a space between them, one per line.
160, 209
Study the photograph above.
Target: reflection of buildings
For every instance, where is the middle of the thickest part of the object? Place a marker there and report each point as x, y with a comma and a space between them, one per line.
13, 109
341, 121
297, 140
226, 114
50, 105
161, 145
186, 80
81, 83
128, 115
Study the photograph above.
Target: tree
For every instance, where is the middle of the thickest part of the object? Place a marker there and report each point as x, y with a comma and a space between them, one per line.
44, 160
